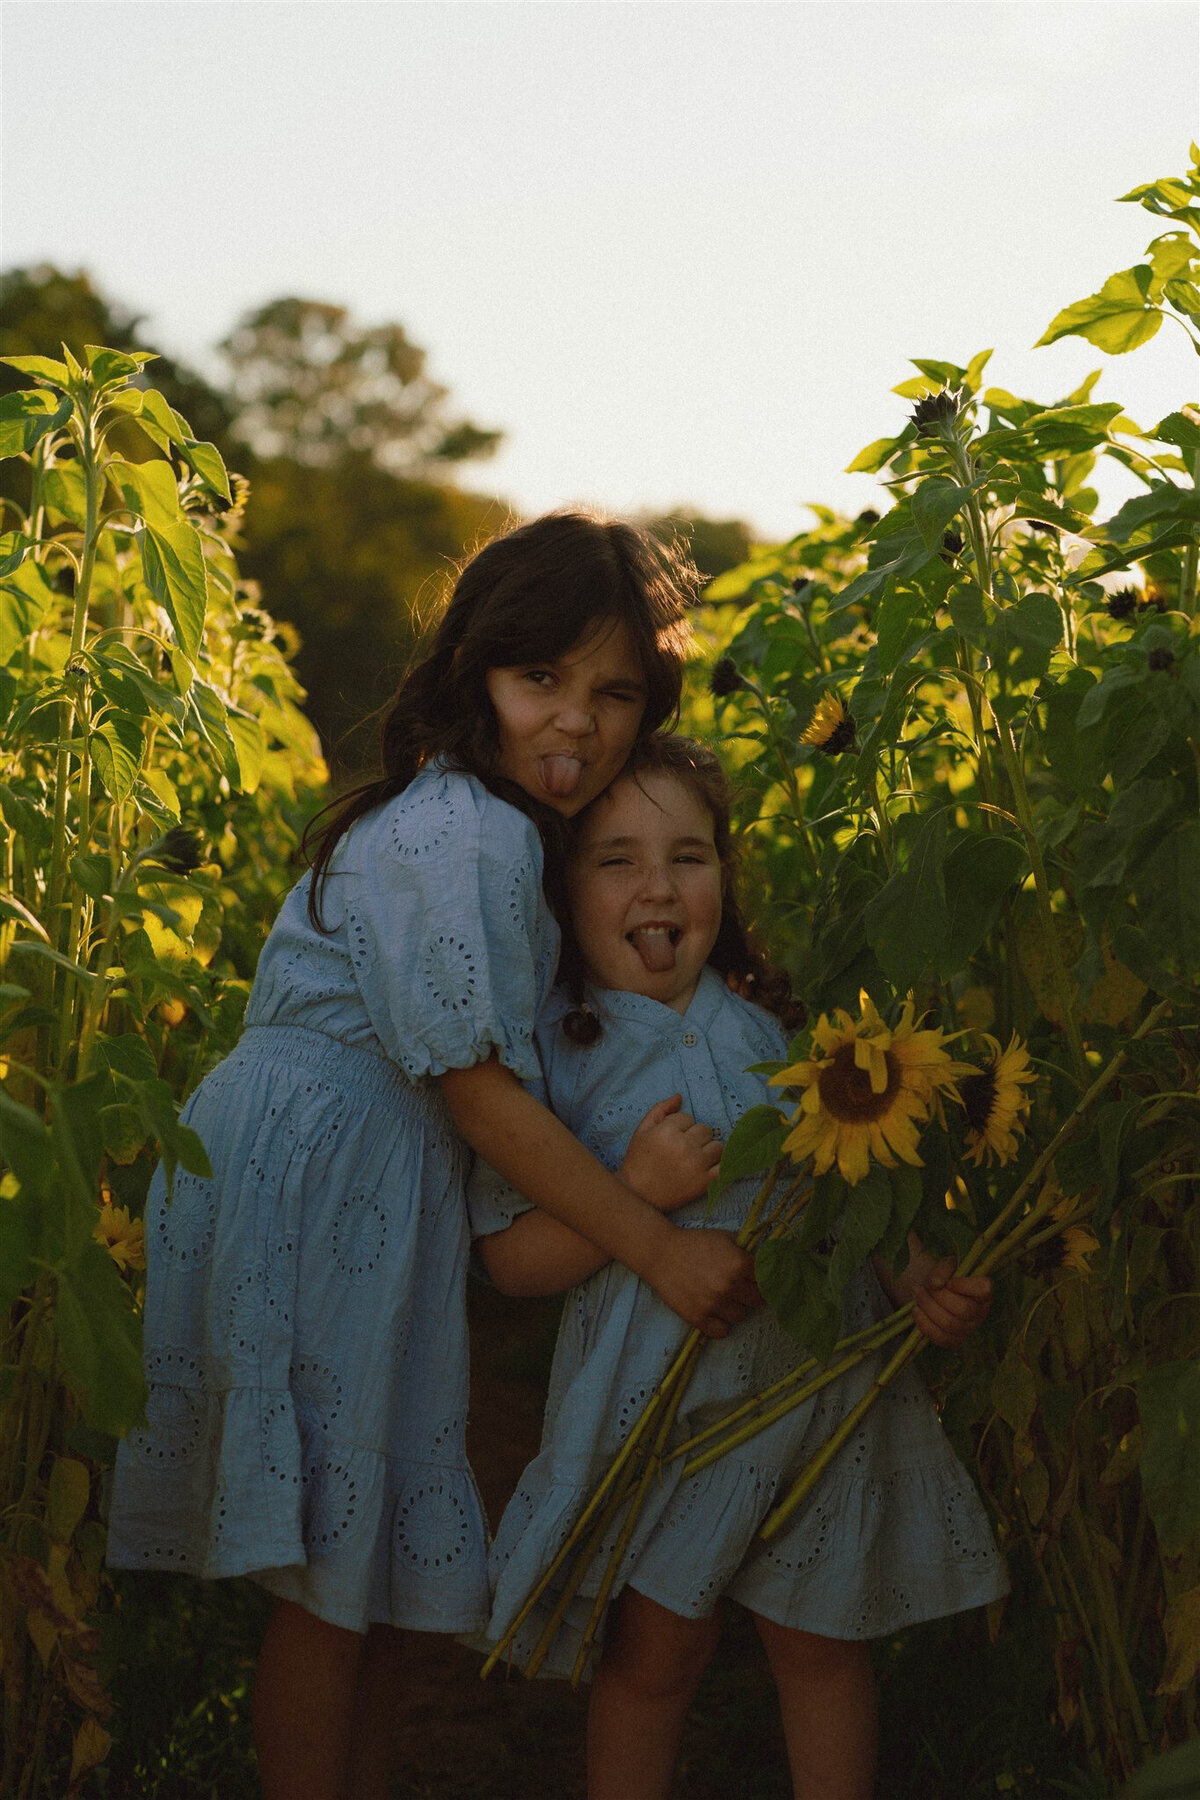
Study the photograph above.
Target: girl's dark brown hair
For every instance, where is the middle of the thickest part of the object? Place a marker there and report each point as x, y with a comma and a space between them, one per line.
526, 597
735, 954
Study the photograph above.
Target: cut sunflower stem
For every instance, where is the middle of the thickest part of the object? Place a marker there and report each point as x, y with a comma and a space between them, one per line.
579, 1568
788, 1393
629, 1451
616, 1483
983, 1255
781, 1409
651, 1472
803, 1486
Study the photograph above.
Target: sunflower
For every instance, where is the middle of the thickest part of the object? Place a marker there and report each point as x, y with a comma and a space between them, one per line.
995, 1106
124, 1238
831, 727
866, 1090
1079, 1246
1072, 1249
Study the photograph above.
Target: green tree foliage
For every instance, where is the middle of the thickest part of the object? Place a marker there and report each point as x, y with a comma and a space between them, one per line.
310, 385
357, 558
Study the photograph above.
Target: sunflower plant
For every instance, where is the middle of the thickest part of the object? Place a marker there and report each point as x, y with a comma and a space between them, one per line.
966, 728
153, 762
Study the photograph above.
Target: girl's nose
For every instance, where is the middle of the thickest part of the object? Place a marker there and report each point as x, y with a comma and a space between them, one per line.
658, 881
576, 718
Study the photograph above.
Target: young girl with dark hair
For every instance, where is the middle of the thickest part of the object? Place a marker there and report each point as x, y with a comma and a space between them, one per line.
894, 1532
305, 1332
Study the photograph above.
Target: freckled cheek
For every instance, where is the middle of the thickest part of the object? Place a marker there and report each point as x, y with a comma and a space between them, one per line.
618, 732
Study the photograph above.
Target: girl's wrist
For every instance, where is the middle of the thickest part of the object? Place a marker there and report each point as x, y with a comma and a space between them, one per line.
647, 1243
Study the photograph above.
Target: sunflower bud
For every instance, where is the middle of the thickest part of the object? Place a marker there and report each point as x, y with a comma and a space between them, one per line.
868, 516
1123, 604
1160, 658
726, 678
798, 586
935, 414
177, 849
1154, 600
952, 544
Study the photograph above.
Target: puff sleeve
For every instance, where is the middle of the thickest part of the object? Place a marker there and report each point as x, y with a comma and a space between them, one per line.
452, 942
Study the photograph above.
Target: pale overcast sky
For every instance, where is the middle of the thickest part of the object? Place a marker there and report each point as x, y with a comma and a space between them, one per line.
678, 252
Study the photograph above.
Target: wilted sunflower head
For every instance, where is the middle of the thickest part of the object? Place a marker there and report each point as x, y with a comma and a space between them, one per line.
831, 727
1071, 1249
994, 1101
726, 678
866, 1089
934, 415
1123, 604
178, 849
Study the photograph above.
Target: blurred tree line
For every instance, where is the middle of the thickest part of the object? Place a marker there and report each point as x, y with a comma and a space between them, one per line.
355, 518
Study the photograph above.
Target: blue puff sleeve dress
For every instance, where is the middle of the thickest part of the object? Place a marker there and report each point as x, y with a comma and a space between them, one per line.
892, 1534
305, 1329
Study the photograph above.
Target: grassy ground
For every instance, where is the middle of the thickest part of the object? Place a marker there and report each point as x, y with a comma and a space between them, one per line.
960, 1719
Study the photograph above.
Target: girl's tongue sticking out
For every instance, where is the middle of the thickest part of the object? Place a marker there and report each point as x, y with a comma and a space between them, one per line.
655, 944
561, 775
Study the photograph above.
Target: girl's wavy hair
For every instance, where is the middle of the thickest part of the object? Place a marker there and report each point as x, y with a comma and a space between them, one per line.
527, 597
736, 954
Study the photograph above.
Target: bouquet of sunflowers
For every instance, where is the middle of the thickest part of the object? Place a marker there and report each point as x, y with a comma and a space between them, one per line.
864, 1159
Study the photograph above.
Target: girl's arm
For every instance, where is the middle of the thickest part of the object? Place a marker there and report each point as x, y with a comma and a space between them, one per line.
701, 1275
946, 1307
670, 1159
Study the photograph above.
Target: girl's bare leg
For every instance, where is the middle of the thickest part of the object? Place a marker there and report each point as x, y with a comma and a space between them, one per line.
649, 1670
827, 1697
304, 1695
373, 1721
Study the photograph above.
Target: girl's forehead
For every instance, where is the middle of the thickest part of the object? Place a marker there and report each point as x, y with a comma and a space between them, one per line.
650, 804
605, 644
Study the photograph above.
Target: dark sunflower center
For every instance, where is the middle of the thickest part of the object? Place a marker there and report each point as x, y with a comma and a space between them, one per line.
978, 1097
846, 1090
840, 738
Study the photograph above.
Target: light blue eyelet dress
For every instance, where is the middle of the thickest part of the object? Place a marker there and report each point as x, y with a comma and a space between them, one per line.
306, 1343
893, 1533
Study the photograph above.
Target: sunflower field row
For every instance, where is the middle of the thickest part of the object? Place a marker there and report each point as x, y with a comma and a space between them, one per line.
155, 770
968, 741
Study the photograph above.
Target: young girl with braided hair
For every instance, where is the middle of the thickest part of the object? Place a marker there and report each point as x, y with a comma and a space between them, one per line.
894, 1532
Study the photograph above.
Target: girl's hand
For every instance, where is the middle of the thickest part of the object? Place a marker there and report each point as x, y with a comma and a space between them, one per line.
671, 1158
947, 1307
706, 1279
